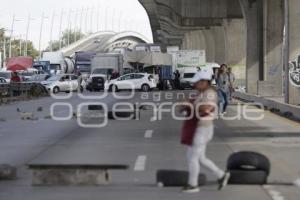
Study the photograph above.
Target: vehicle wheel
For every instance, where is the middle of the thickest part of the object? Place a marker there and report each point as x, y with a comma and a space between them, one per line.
113, 88
249, 161
56, 90
146, 88
175, 178
256, 177
81, 89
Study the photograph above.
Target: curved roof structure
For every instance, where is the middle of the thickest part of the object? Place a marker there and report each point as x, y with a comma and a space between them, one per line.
107, 41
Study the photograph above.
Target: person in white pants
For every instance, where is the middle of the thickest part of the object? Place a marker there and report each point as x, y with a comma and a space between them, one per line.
205, 105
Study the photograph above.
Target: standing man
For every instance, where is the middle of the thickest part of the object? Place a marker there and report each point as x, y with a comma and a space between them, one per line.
231, 82
177, 79
223, 84
204, 106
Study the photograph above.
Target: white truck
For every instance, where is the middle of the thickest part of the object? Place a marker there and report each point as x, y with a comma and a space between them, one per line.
59, 64
102, 68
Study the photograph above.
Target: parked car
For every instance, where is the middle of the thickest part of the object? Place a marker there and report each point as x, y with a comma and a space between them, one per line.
6, 75
138, 81
2, 80
38, 78
62, 83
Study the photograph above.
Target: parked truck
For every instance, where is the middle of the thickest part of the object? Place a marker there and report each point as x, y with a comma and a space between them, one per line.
59, 63
83, 62
102, 67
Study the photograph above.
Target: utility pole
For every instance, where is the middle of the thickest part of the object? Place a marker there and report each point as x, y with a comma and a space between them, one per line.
11, 34
20, 44
69, 25
286, 50
113, 20
75, 27
86, 20
92, 16
51, 30
27, 32
106, 18
98, 15
41, 32
80, 23
4, 47
120, 18
60, 26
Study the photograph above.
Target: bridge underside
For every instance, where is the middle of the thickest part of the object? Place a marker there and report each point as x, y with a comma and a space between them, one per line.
243, 33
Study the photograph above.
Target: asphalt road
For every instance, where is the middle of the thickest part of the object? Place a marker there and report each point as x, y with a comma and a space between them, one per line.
146, 145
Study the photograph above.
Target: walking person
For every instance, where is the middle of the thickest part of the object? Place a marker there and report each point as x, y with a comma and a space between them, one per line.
177, 79
199, 131
223, 84
231, 82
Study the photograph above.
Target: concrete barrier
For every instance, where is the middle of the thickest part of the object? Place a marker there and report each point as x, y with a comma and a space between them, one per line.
287, 110
72, 174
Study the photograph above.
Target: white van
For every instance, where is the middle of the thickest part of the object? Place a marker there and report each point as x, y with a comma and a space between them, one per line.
186, 75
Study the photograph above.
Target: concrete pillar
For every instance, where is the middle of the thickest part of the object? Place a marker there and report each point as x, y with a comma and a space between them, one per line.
273, 37
236, 42
294, 45
253, 14
220, 44
194, 40
210, 45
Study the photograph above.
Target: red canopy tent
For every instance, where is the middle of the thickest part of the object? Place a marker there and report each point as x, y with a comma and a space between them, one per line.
19, 63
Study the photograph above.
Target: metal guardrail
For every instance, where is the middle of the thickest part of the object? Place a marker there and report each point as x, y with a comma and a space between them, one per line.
21, 91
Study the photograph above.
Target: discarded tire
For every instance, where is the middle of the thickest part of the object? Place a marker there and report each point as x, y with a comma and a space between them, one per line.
8, 172
249, 161
241, 177
175, 178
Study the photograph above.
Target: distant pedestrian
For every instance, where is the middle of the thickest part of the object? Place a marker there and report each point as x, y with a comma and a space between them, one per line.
199, 131
223, 84
177, 80
114, 75
231, 82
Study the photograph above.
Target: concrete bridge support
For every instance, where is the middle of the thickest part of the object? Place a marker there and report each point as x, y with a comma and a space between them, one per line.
252, 11
294, 45
210, 45
236, 42
220, 44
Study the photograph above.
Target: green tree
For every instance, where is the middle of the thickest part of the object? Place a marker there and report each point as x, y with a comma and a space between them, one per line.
15, 50
68, 37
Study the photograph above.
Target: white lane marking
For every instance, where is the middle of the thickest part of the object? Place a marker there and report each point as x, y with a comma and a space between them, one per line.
140, 163
274, 194
148, 134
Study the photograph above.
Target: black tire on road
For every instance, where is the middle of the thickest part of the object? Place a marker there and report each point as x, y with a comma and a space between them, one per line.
113, 88
249, 161
56, 90
175, 178
241, 177
146, 88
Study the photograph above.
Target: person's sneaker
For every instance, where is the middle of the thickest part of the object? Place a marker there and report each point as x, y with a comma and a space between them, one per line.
224, 181
190, 189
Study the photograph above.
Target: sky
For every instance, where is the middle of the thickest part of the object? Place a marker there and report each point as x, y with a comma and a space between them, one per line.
91, 14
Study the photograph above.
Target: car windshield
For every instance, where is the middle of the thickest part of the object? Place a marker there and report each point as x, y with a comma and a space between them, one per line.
5, 75
38, 78
84, 68
188, 75
54, 78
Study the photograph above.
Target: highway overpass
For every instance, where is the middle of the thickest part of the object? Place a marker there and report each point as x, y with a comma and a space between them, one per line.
106, 41
238, 32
